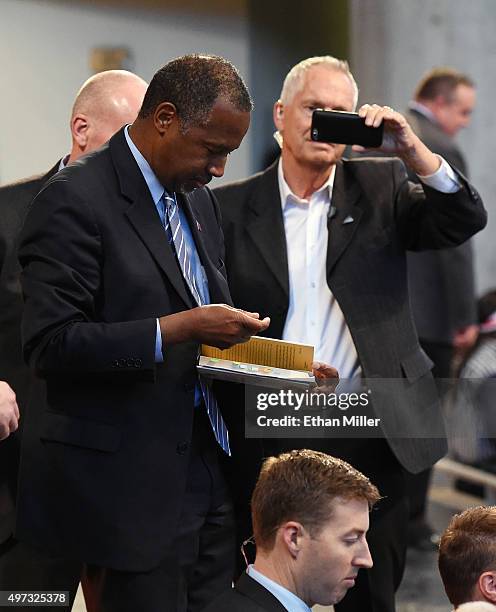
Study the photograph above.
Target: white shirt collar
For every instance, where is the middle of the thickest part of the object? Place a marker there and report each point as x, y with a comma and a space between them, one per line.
285, 190
288, 599
423, 110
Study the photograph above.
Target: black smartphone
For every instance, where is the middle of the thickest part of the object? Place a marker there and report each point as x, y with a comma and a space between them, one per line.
344, 128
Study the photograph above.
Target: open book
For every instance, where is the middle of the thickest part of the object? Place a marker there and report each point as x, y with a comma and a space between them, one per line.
260, 361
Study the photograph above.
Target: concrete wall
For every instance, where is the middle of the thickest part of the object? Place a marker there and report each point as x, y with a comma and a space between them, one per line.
393, 42
44, 54
282, 34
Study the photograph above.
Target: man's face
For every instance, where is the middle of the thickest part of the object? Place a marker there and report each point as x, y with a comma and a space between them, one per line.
322, 88
186, 161
331, 560
455, 114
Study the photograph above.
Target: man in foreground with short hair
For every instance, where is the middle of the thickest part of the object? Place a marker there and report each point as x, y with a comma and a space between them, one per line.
103, 104
310, 518
123, 278
467, 556
318, 243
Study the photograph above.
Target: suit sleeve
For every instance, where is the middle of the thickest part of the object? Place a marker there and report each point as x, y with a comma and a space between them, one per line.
62, 254
428, 219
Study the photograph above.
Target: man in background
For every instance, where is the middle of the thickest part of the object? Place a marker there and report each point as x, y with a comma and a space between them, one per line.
467, 556
442, 287
104, 103
310, 516
318, 243
442, 282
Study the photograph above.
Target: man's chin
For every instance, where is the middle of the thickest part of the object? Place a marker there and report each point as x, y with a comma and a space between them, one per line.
325, 157
321, 162
189, 186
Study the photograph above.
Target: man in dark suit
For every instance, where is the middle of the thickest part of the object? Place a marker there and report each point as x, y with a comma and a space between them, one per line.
123, 277
319, 244
310, 536
104, 103
441, 283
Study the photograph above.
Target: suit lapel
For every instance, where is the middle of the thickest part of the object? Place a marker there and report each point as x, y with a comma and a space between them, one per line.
143, 215
146, 222
342, 226
265, 226
256, 592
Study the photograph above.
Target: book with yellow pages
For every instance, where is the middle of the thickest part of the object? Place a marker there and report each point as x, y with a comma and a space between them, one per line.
260, 361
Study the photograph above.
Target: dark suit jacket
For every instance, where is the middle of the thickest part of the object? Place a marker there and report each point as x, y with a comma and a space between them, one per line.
247, 595
366, 272
442, 287
15, 199
104, 470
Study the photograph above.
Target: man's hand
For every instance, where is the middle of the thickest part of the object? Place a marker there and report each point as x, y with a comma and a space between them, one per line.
9, 411
465, 338
326, 377
399, 139
216, 324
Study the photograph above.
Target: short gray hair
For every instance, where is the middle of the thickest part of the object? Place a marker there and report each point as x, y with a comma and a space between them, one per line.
294, 79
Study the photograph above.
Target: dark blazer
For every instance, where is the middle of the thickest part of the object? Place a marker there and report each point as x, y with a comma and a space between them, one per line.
442, 287
366, 272
103, 473
247, 595
15, 199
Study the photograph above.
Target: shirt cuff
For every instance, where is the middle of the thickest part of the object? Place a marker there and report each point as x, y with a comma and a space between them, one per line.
444, 179
158, 345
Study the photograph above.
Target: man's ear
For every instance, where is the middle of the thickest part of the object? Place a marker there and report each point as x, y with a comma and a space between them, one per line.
79, 130
292, 535
487, 585
440, 102
279, 115
164, 116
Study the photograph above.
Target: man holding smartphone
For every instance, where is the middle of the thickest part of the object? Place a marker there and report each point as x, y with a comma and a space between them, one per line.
326, 239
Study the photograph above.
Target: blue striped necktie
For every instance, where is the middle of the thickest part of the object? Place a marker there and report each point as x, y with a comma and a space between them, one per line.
172, 225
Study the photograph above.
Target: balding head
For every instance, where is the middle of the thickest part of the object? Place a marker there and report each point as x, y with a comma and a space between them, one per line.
106, 101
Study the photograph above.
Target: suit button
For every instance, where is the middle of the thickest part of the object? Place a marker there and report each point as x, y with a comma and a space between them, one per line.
182, 448
189, 387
